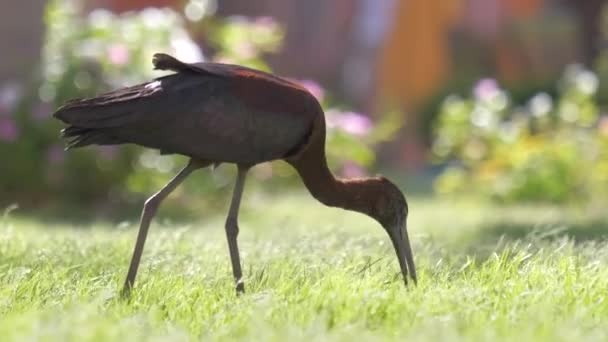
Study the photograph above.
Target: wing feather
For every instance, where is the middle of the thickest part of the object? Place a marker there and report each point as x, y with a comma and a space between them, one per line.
214, 112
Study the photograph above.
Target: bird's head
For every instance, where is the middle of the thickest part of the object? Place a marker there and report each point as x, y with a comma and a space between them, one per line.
390, 209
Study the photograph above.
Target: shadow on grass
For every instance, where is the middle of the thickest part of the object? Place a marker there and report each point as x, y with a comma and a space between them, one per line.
85, 216
595, 229
511, 242
494, 237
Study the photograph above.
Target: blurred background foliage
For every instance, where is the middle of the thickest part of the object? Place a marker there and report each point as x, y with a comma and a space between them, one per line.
526, 134
552, 149
87, 55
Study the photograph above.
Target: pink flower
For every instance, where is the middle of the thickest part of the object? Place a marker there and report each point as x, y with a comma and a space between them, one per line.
486, 89
314, 88
119, 54
603, 125
9, 95
9, 132
55, 155
266, 22
350, 122
265, 26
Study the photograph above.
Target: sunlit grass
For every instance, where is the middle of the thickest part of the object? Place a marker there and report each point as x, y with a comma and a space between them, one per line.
313, 273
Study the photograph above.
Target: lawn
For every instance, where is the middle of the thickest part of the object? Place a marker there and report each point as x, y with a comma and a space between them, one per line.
487, 273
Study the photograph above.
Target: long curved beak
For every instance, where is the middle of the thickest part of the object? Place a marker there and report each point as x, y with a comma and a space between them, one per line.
401, 242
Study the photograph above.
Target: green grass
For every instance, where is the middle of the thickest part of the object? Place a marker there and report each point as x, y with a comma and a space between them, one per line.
313, 273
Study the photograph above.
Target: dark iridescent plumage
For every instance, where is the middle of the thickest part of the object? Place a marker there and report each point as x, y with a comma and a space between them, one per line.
235, 114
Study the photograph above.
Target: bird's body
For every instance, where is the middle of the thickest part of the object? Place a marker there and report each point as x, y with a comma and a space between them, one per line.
213, 112
218, 113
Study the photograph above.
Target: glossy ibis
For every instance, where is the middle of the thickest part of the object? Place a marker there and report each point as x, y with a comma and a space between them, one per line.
220, 113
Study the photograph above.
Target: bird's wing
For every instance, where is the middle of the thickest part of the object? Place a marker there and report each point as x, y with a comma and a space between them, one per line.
225, 119
111, 109
115, 108
137, 113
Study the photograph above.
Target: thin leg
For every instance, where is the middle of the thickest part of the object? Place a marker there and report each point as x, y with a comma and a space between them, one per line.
232, 229
148, 212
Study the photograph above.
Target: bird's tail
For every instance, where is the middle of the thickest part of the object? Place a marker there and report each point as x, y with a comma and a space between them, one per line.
90, 121
79, 137
162, 61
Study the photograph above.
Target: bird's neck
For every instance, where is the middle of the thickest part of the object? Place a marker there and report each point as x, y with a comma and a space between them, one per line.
349, 194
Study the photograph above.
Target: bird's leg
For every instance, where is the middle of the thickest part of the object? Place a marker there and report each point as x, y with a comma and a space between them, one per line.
148, 212
232, 228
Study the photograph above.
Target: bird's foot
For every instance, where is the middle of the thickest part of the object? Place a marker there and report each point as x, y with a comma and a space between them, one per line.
240, 287
125, 293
